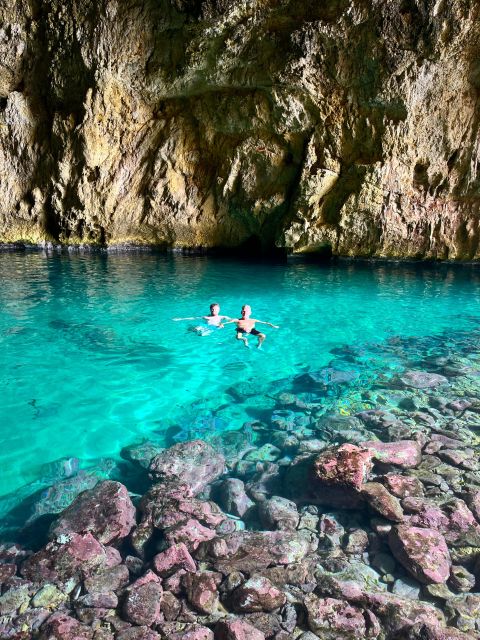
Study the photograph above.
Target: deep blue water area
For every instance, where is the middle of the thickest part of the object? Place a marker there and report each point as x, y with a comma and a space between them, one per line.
91, 360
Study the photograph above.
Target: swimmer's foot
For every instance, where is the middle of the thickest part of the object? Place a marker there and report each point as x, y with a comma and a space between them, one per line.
245, 342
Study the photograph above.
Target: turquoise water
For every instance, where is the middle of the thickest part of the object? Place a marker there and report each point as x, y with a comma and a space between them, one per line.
91, 361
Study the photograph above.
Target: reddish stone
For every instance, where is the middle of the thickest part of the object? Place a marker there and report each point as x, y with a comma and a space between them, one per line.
382, 501
186, 632
278, 513
473, 501
109, 579
233, 497
61, 626
253, 550
403, 486
202, 590
423, 552
327, 616
346, 466
78, 556
237, 629
257, 594
106, 511
142, 602
190, 532
404, 453
194, 463
422, 379
174, 558
137, 633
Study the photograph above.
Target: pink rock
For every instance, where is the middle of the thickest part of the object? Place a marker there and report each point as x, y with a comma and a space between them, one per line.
237, 629
202, 590
327, 616
194, 463
142, 602
233, 497
382, 501
191, 533
473, 501
257, 594
187, 632
61, 626
423, 552
106, 511
425, 514
136, 633
403, 486
278, 513
422, 379
346, 466
254, 550
174, 558
76, 556
404, 453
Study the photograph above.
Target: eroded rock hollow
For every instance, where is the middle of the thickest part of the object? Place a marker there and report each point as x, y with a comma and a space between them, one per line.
349, 126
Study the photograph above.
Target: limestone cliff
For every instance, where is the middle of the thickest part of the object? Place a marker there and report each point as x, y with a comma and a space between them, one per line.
349, 124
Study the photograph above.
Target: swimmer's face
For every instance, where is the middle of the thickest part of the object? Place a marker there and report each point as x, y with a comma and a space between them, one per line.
246, 311
215, 309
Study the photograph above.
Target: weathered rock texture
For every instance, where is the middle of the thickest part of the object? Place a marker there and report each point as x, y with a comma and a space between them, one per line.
344, 124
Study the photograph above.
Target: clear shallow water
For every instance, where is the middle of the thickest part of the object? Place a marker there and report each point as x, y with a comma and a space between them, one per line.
90, 360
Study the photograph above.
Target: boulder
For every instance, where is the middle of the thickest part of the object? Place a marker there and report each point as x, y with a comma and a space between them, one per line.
60, 626
236, 629
332, 478
381, 501
233, 498
253, 550
423, 553
142, 600
190, 532
109, 579
174, 631
75, 555
278, 513
404, 453
106, 511
202, 590
333, 619
194, 463
403, 486
174, 558
257, 594
421, 379
136, 633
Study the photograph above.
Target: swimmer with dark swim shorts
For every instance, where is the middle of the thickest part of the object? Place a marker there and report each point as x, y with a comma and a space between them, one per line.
246, 326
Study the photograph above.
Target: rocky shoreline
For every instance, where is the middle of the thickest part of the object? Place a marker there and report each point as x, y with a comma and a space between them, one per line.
310, 523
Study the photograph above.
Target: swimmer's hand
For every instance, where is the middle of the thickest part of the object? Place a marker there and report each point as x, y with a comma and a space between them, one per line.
220, 326
274, 325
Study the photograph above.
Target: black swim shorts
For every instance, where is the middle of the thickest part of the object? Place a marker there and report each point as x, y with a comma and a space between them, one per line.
253, 332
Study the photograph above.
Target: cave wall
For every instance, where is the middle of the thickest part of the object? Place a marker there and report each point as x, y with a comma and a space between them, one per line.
304, 124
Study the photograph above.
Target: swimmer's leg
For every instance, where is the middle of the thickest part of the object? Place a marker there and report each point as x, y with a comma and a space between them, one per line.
241, 337
261, 338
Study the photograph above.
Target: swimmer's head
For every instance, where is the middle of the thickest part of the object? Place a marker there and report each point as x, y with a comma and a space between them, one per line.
214, 308
246, 311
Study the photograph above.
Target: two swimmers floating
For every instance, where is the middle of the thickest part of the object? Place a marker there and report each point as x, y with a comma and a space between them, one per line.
245, 324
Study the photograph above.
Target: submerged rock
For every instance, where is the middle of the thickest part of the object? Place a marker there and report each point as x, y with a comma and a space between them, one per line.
236, 629
106, 511
423, 552
251, 551
193, 463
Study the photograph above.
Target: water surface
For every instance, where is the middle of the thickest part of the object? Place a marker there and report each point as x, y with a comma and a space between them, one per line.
91, 361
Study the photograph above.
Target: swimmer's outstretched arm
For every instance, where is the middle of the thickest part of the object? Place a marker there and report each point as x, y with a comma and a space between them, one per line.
275, 326
194, 318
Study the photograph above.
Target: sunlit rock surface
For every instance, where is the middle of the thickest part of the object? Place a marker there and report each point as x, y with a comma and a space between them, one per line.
344, 125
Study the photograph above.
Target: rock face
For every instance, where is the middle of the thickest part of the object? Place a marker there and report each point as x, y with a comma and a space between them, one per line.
307, 125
